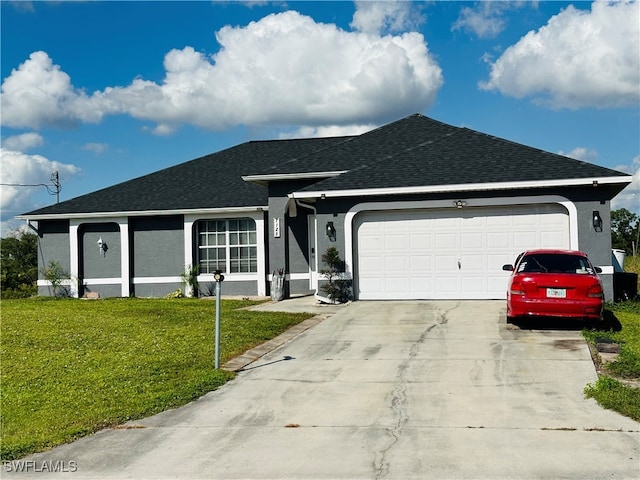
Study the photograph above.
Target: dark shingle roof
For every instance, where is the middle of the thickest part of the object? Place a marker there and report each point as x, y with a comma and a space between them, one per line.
366, 149
212, 181
460, 157
413, 151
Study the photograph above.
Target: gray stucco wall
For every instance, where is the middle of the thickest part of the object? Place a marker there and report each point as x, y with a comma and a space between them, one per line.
155, 290
277, 244
157, 246
597, 245
53, 246
95, 263
244, 288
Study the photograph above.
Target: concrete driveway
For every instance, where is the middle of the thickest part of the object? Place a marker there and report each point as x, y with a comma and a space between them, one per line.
384, 390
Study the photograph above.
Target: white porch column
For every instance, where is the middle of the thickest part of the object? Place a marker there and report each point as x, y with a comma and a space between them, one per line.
124, 257
188, 246
261, 236
74, 257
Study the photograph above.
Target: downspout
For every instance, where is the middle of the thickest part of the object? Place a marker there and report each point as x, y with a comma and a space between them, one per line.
315, 246
30, 225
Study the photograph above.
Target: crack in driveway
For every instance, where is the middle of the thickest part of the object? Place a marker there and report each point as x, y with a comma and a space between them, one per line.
399, 395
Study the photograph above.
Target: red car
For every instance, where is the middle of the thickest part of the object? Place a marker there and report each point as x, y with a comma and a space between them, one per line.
554, 283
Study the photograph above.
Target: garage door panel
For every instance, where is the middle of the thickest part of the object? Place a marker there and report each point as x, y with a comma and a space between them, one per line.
397, 286
395, 242
497, 283
495, 261
473, 286
421, 264
447, 221
445, 263
446, 285
421, 241
446, 241
449, 254
472, 240
498, 221
523, 220
550, 239
370, 244
421, 287
372, 265
471, 263
525, 240
395, 265
499, 240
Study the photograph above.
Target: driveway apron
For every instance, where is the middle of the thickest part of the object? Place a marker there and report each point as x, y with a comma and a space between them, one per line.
411, 389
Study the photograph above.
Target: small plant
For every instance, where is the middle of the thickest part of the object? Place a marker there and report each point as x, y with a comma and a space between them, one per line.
175, 294
190, 279
56, 276
338, 288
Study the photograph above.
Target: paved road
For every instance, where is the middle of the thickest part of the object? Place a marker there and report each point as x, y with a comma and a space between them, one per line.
384, 390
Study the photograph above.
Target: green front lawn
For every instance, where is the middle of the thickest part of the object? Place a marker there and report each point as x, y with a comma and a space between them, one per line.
618, 387
71, 367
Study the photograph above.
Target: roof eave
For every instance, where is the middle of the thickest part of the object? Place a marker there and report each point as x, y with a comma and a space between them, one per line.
468, 187
142, 213
278, 177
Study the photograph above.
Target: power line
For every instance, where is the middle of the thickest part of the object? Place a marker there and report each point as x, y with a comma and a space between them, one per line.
53, 189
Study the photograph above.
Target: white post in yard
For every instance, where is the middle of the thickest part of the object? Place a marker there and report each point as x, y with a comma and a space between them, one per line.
218, 278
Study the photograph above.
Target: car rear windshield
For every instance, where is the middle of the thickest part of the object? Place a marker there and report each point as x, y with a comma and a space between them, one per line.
555, 263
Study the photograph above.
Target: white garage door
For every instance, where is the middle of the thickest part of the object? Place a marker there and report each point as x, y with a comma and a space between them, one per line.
449, 253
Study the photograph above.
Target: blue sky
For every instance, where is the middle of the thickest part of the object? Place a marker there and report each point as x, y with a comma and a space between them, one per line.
103, 92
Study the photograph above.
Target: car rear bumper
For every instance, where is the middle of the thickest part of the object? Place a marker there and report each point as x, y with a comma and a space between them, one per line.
518, 307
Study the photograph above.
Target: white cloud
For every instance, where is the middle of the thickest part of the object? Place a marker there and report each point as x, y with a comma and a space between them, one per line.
328, 131
486, 19
19, 168
629, 198
284, 69
377, 17
579, 59
23, 142
97, 148
39, 93
581, 153
23, 6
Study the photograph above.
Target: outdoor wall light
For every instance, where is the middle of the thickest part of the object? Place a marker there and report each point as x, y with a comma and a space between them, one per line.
331, 231
459, 203
597, 221
102, 246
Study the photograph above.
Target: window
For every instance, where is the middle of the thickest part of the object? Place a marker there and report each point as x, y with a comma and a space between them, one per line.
228, 245
555, 263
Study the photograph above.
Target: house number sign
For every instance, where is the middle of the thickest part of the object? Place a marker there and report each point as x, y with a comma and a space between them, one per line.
276, 228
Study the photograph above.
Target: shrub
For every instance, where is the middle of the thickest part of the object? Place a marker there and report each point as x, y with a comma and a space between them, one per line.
338, 288
55, 275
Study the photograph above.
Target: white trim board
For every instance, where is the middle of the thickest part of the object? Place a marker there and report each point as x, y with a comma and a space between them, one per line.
466, 187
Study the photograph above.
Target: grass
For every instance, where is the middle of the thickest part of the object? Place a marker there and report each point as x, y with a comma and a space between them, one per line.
72, 367
618, 385
632, 265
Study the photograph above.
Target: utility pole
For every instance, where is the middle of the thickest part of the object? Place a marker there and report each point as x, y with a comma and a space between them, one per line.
55, 180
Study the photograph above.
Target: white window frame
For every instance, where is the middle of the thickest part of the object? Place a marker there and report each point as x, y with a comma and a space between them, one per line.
231, 265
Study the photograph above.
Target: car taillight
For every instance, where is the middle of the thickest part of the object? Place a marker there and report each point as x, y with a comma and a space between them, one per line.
517, 288
595, 291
